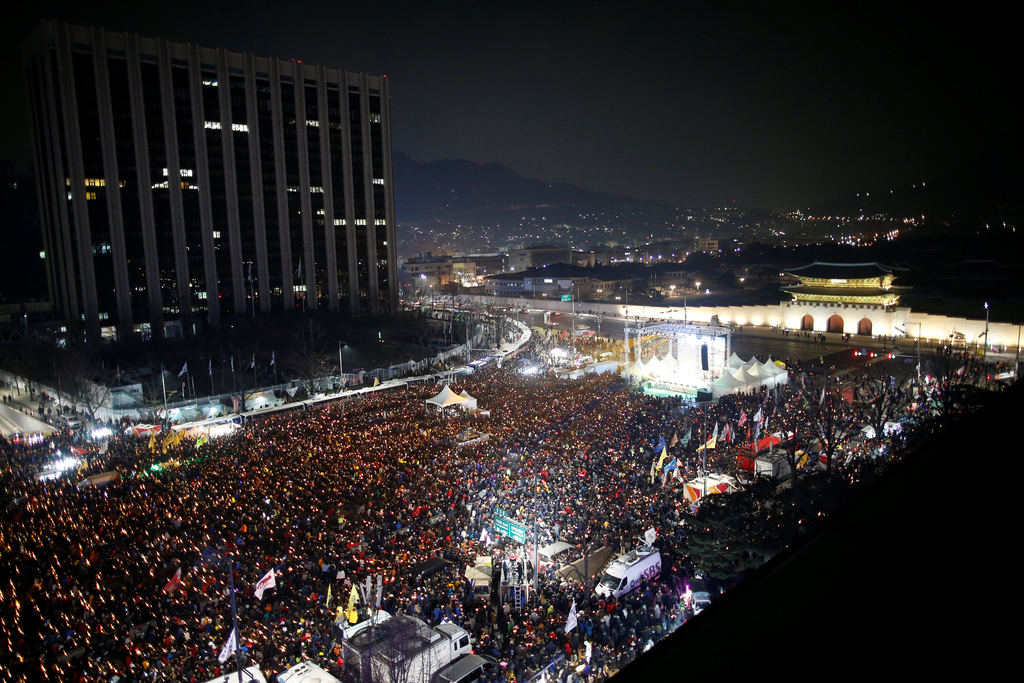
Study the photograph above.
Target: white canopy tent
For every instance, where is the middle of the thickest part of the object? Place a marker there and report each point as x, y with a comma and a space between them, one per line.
747, 376
446, 399
470, 403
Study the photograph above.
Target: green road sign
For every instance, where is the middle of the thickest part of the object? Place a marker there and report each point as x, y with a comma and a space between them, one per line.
567, 297
506, 527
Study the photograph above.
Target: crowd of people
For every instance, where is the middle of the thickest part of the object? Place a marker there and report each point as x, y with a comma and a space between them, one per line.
326, 497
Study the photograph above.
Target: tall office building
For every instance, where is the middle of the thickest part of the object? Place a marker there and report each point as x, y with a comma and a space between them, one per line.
180, 184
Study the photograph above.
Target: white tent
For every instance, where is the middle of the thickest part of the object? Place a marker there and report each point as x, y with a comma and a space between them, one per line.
470, 403
735, 361
655, 367
727, 384
446, 399
15, 422
748, 375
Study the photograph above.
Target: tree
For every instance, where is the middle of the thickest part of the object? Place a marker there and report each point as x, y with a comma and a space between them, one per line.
734, 532
238, 374
955, 389
880, 399
83, 378
310, 357
831, 419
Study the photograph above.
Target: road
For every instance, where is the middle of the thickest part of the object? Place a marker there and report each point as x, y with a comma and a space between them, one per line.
762, 341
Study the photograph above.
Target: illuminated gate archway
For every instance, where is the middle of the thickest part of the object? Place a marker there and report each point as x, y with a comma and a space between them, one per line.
835, 324
807, 323
864, 327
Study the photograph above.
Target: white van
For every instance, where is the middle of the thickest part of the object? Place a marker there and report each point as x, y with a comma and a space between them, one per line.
626, 572
553, 554
250, 674
466, 669
306, 672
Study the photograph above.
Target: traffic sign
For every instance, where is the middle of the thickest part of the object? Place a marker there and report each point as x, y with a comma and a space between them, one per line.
506, 527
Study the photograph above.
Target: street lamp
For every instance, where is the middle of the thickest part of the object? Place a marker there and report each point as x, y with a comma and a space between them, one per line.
341, 364
986, 329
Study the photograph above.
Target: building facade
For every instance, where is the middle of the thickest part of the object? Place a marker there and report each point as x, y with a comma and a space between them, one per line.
181, 184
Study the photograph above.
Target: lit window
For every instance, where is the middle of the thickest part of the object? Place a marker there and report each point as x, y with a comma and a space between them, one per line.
360, 221
380, 221
42, 254
240, 127
209, 81
214, 125
314, 124
339, 221
293, 189
216, 234
316, 189
90, 195
378, 181
185, 172
375, 118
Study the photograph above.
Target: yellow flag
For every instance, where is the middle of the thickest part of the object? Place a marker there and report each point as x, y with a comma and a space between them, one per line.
352, 597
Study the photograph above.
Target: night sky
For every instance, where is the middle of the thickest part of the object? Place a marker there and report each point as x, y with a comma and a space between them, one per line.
747, 105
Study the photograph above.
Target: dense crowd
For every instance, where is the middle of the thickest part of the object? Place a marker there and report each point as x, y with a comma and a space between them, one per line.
326, 497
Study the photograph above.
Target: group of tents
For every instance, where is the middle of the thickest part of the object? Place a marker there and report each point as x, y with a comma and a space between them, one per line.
740, 377
449, 399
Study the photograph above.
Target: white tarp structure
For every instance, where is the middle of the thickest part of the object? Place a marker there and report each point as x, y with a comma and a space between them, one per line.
446, 399
15, 422
748, 376
470, 403
603, 367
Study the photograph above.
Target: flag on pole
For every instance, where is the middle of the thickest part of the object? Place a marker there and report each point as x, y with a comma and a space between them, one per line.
672, 465
712, 440
268, 581
686, 438
211, 367
743, 418
570, 622
328, 596
758, 416
664, 452
376, 381
232, 364
822, 399
654, 468
253, 363
184, 369
229, 647
675, 439
352, 597
174, 582
272, 354
485, 538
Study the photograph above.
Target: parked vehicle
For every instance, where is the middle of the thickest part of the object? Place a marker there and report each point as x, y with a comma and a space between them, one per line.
627, 572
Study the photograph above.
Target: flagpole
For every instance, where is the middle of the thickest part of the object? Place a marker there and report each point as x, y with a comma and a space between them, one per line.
234, 620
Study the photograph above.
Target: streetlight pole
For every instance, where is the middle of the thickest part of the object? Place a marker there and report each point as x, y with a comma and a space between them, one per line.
986, 330
341, 367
